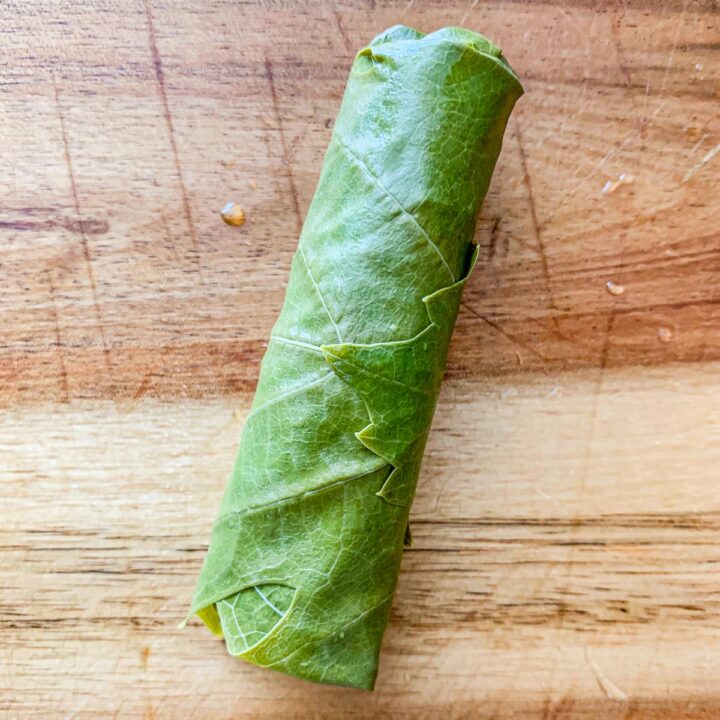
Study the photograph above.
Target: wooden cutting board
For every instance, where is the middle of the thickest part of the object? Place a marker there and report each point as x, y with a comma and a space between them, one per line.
566, 525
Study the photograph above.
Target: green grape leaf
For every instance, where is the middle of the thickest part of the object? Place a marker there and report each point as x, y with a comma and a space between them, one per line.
304, 556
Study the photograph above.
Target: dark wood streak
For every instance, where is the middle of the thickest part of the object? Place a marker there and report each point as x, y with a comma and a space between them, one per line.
83, 235
498, 328
87, 226
346, 41
537, 236
162, 92
492, 242
622, 65
270, 75
64, 385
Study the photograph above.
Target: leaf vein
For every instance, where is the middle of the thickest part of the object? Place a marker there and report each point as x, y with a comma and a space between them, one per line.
254, 509
317, 289
333, 632
414, 388
288, 393
297, 343
376, 180
267, 602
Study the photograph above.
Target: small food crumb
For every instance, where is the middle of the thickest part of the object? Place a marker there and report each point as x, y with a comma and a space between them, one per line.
693, 132
233, 214
228, 163
252, 185
613, 288
664, 334
145, 656
518, 357
612, 185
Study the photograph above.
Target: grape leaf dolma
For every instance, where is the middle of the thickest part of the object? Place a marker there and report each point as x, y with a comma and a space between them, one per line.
304, 555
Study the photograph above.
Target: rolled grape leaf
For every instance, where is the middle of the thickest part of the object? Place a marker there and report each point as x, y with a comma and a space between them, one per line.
304, 555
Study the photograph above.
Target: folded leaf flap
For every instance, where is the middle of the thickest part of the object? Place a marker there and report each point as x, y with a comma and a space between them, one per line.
399, 383
270, 550
407, 39
209, 615
346, 656
395, 33
249, 616
408, 542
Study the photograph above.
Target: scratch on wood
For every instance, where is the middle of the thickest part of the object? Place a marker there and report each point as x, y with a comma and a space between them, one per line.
468, 11
597, 393
142, 388
611, 690
81, 229
622, 65
505, 334
606, 344
64, 385
281, 130
704, 161
493, 239
581, 33
160, 78
169, 238
536, 226
604, 354
671, 57
533, 214
341, 30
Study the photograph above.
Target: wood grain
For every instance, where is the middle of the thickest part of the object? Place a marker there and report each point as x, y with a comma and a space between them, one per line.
566, 563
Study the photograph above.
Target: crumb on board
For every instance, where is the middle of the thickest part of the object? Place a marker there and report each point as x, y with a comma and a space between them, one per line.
664, 334
693, 131
233, 214
614, 288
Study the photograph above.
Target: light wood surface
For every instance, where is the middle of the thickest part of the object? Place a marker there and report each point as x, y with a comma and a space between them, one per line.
566, 561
